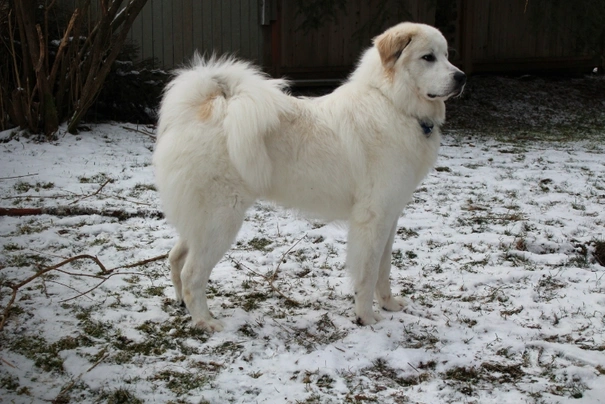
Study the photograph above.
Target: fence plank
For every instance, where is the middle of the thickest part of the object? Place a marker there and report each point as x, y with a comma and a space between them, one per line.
146, 39
136, 32
207, 46
157, 32
217, 35
188, 28
224, 23
236, 28
168, 55
245, 26
177, 31
198, 27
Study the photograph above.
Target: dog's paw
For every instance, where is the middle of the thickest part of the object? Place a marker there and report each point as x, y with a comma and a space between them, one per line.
369, 319
393, 303
210, 325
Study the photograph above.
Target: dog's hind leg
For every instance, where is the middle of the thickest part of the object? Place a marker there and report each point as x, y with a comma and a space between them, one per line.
206, 247
176, 257
383, 287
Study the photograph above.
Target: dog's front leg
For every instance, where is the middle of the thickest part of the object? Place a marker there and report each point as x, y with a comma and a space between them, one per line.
366, 245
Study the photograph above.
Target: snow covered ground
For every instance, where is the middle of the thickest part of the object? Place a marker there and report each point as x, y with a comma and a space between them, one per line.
498, 256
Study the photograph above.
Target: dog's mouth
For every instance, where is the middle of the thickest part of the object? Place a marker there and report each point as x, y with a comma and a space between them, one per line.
441, 97
456, 92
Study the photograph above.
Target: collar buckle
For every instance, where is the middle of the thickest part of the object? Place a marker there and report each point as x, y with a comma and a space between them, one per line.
427, 127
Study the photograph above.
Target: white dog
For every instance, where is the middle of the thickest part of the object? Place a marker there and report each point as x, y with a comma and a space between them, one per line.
228, 136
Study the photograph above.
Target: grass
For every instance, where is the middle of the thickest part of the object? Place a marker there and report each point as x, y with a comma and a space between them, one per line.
99, 178
179, 382
138, 189
23, 186
23, 260
383, 373
259, 243
46, 356
121, 396
599, 251
32, 226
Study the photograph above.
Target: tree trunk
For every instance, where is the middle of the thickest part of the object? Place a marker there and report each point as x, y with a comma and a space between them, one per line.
101, 64
50, 88
36, 44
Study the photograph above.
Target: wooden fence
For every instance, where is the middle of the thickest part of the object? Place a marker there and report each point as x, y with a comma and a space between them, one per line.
170, 31
490, 35
333, 48
499, 35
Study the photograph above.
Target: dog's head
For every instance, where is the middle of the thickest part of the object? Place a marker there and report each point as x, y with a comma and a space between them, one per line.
419, 52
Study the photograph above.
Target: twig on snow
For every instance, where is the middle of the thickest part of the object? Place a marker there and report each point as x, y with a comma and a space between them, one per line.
105, 279
281, 259
94, 193
269, 280
18, 176
7, 363
140, 263
73, 382
105, 275
38, 274
67, 286
137, 130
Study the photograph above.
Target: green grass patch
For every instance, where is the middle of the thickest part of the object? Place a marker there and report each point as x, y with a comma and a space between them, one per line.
46, 356
259, 243
181, 383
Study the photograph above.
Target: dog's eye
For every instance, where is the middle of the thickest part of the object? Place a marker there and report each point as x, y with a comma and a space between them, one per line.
429, 57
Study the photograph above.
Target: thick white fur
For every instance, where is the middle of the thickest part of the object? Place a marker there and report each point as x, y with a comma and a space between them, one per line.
228, 136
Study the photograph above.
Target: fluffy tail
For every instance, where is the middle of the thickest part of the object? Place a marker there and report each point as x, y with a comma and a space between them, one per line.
238, 96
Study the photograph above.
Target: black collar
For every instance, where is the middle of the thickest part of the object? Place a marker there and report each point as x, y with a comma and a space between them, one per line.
427, 127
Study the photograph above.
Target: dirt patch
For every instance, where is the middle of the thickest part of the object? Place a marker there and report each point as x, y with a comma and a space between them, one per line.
530, 107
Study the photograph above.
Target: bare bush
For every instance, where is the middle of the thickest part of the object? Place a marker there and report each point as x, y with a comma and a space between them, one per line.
55, 62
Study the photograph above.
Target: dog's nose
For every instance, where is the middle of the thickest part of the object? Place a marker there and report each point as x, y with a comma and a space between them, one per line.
460, 78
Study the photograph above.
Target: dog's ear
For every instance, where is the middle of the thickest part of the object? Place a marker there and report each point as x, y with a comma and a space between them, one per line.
391, 44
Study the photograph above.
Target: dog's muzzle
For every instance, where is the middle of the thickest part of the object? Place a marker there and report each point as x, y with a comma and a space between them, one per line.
460, 80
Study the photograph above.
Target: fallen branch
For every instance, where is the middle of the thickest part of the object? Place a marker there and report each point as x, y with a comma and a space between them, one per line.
269, 280
67, 286
140, 263
66, 211
137, 130
18, 176
104, 275
104, 279
55, 196
121, 198
8, 363
38, 274
69, 386
284, 256
73, 194
94, 193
